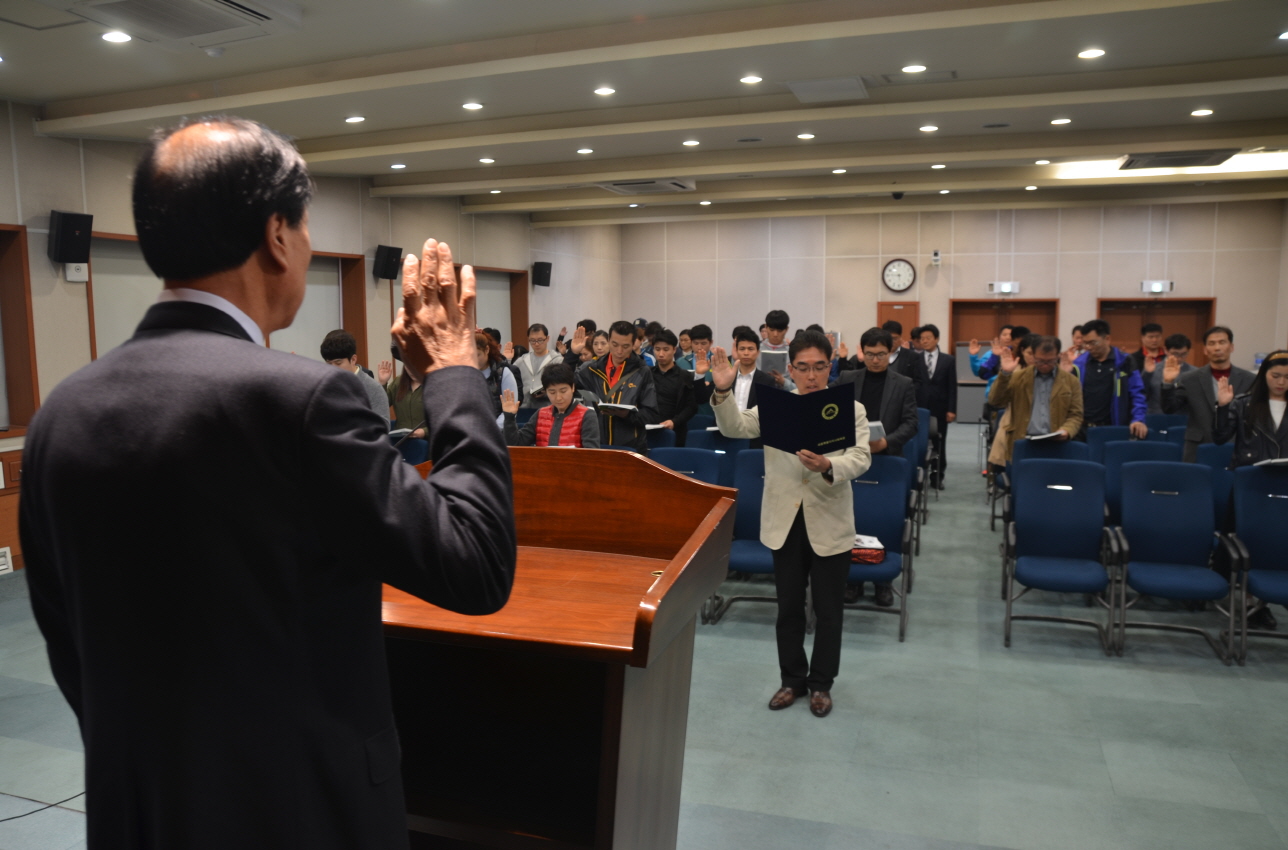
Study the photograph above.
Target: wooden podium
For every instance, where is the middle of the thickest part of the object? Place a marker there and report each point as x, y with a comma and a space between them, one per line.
559, 722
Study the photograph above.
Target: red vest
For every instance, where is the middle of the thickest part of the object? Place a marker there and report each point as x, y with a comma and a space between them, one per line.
569, 433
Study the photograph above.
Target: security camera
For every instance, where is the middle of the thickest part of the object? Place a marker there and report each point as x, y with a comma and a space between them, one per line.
898, 196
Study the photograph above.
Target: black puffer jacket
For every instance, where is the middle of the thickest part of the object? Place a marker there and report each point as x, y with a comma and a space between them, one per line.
1254, 441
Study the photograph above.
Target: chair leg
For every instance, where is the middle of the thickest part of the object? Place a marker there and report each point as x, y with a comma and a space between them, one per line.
903, 603
1008, 592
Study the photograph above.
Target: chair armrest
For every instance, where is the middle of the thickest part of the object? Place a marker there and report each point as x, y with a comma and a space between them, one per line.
1111, 546
1240, 557
912, 502
1124, 550
1005, 478
906, 545
1010, 539
1106, 507
1006, 506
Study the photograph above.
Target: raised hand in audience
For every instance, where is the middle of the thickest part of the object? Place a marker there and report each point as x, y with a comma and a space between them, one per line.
1171, 369
1224, 392
509, 402
701, 365
385, 371
1067, 358
842, 352
579, 340
563, 332
433, 327
975, 347
1150, 364
722, 371
778, 378
1007, 361
507, 351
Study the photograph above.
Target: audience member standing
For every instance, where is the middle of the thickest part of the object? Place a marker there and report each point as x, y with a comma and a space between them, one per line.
685, 355
701, 336
1256, 421
774, 333
1151, 347
1178, 346
747, 349
621, 377
340, 349
564, 421
405, 393
539, 356
1194, 394
938, 394
1112, 392
495, 371
674, 386
1040, 400
904, 359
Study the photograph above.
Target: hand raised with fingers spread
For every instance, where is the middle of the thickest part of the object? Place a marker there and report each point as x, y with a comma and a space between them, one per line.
843, 352
1171, 369
579, 340
384, 371
722, 371
1068, 358
974, 347
1006, 359
435, 326
1150, 364
509, 403
1224, 392
507, 351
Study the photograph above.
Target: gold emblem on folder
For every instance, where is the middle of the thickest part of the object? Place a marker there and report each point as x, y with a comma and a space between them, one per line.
830, 412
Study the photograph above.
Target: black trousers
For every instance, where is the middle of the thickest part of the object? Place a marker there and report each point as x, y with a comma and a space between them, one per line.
797, 567
941, 446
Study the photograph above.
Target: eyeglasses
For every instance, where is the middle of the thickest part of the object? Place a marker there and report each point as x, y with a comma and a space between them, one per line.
816, 368
1042, 361
875, 355
533, 340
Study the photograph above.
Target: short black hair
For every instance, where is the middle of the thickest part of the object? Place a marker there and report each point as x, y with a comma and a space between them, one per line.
558, 373
339, 344
1028, 341
809, 339
1019, 331
1151, 328
1042, 342
893, 327
1177, 341
742, 333
777, 320
666, 337
1077, 329
876, 336
1006, 328
589, 325
494, 333
915, 333
539, 327
622, 328
685, 332
1099, 327
700, 332
815, 327
652, 328
1218, 329
204, 210
933, 331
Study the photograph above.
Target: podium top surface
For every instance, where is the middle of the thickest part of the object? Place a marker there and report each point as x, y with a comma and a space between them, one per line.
616, 555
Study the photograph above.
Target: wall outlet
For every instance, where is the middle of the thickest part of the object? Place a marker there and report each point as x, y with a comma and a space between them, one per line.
76, 272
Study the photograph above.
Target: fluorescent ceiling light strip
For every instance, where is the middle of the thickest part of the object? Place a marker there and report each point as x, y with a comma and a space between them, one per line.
1239, 163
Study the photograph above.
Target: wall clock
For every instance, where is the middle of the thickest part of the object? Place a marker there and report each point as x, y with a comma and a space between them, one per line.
899, 275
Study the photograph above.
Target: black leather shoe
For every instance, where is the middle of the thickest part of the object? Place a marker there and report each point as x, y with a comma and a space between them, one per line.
884, 595
853, 593
1262, 621
784, 697
820, 703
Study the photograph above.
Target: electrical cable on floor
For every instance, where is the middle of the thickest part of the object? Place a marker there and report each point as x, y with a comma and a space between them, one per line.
42, 808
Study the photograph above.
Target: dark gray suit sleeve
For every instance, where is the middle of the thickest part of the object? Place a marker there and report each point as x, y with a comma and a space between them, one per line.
590, 430
449, 540
907, 428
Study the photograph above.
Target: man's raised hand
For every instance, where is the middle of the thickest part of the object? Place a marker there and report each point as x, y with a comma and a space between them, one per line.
579, 340
1007, 361
435, 326
1171, 369
974, 347
509, 402
1224, 392
722, 371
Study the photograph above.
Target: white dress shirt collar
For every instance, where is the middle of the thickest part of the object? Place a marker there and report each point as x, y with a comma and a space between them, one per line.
200, 296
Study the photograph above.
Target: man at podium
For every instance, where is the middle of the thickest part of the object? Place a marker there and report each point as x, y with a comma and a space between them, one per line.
807, 519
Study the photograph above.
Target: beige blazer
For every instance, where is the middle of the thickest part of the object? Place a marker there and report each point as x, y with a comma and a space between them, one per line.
789, 486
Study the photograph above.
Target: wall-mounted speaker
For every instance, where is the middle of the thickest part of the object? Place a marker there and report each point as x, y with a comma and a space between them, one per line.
540, 274
69, 235
388, 263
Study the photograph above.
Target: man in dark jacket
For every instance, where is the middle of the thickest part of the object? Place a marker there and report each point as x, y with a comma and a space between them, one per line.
675, 402
207, 569
938, 394
1112, 392
621, 377
906, 361
1194, 393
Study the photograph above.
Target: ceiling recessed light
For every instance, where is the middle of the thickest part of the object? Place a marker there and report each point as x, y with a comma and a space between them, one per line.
1283, 36
584, 150
604, 90
495, 192
397, 165
633, 205
1093, 53
752, 78
1199, 113
913, 69
838, 170
1030, 188
1061, 120
929, 128
806, 136
704, 203
116, 37
355, 119
487, 160
943, 191
691, 142
471, 105
1043, 162
938, 166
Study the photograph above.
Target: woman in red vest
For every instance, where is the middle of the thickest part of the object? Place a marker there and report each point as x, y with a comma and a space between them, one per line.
565, 422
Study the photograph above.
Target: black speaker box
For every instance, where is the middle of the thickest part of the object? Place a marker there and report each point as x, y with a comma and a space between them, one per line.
541, 274
388, 264
69, 235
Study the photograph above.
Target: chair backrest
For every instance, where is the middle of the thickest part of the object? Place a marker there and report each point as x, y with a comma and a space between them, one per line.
524, 414
914, 461
414, 452
1261, 514
1217, 458
1097, 437
702, 464
1165, 421
1051, 450
749, 478
1172, 434
660, 438
1167, 511
727, 447
700, 422
1127, 451
881, 501
923, 431
1059, 512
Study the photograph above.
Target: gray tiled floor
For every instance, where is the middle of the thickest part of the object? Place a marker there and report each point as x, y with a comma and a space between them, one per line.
945, 742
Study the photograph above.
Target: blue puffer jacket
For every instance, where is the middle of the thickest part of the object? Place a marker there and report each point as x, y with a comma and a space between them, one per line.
1129, 388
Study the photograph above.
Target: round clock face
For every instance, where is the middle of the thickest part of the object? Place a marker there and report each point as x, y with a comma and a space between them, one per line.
899, 275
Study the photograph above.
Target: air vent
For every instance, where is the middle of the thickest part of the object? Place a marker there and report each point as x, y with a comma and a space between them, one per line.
823, 91
902, 79
184, 23
1177, 159
751, 139
660, 186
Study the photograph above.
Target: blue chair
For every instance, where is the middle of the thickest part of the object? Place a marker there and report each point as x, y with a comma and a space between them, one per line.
1026, 449
701, 464
1097, 437
728, 448
746, 554
414, 452
916, 486
927, 452
1168, 538
880, 497
1058, 541
701, 422
1128, 451
659, 438
525, 413
1218, 458
1260, 516
1165, 421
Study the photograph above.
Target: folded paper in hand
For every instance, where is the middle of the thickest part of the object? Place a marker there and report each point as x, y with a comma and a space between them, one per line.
1050, 436
876, 431
615, 409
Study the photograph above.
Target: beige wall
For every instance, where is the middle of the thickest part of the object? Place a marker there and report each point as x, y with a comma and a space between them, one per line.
585, 276
39, 174
827, 269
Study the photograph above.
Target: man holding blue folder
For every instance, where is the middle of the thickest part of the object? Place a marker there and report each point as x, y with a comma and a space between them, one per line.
807, 517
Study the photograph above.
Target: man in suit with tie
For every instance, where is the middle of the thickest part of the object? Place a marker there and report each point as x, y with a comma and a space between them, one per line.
938, 394
1194, 393
907, 361
207, 523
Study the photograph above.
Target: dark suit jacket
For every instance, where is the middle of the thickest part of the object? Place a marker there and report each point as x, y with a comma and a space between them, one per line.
938, 392
759, 378
911, 365
206, 524
898, 406
1195, 396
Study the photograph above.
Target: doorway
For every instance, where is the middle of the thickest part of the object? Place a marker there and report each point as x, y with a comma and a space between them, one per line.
906, 313
1189, 316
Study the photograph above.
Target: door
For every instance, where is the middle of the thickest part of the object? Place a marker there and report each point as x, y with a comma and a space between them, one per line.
906, 313
982, 318
1189, 316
